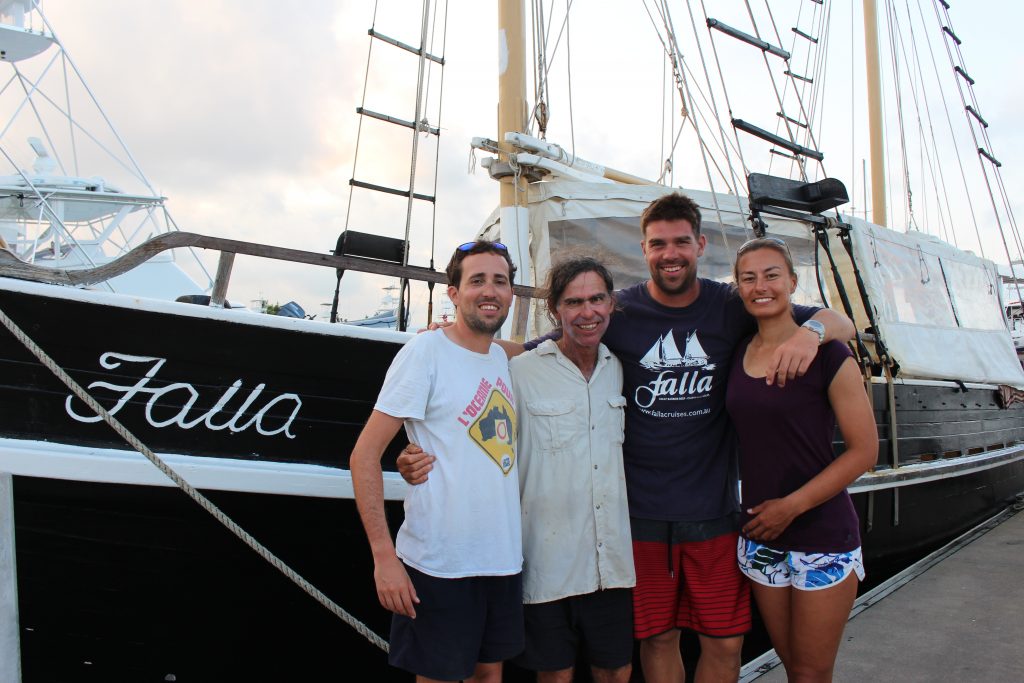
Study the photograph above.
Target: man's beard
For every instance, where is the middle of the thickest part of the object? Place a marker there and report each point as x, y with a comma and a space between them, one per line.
478, 324
684, 284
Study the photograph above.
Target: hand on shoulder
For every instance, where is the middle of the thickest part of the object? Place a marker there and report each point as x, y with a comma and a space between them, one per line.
792, 357
435, 326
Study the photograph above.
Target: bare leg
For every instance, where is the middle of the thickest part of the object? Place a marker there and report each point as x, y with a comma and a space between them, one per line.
816, 629
560, 676
719, 660
620, 675
484, 673
773, 602
661, 660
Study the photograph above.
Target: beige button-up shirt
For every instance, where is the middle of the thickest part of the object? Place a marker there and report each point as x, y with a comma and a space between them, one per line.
576, 536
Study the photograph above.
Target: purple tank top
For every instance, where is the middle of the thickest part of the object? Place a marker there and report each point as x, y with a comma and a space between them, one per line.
785, 440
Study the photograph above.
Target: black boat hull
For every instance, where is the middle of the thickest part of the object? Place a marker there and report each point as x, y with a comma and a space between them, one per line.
134, 583
122, 577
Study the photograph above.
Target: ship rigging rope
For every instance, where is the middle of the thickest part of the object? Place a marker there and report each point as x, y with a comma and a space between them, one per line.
894, 38
958, 61
811, 114
735, 177
362, 104
189, 490
540, 89
938, 178
690, 107
544, 55
437, 156
952, 138
800, 161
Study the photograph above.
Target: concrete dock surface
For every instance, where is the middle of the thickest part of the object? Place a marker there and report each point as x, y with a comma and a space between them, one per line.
961, 620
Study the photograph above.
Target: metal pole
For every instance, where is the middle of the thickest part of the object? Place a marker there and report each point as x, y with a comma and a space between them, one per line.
424, 31
10, 645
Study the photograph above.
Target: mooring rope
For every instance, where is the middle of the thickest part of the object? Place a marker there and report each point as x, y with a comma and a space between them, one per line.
191, 491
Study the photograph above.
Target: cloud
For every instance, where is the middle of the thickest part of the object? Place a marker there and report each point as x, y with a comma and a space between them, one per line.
243, 114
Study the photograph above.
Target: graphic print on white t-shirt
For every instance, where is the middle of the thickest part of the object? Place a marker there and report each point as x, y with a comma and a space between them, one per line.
492, 423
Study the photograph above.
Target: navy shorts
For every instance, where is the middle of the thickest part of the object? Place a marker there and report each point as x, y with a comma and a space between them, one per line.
459, 622
600, 622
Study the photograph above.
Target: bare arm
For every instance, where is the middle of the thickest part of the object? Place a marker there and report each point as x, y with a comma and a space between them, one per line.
512, 349
394, 588
793, 357
857, 424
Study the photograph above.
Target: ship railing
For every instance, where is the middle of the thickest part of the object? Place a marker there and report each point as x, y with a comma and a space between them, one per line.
13, 267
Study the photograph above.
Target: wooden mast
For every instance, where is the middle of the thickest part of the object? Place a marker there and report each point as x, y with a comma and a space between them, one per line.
874, 81
513, 214
511, 83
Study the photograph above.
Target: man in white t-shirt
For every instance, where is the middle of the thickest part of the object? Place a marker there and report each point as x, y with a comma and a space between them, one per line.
453, 576
578, 559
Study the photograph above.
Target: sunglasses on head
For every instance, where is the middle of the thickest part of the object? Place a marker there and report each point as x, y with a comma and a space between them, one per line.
760, 242
469, 245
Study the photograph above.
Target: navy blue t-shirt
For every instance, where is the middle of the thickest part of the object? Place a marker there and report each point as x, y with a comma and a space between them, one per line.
785, 440
679, 452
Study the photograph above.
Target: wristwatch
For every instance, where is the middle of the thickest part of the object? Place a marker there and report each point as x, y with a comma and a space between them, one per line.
817, 328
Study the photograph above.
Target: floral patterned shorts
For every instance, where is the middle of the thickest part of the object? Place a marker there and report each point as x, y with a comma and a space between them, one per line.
803, 571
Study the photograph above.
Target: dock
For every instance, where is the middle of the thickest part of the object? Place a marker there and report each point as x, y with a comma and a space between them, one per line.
959, 619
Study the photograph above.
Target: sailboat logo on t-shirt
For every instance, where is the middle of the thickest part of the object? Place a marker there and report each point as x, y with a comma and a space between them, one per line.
665, 354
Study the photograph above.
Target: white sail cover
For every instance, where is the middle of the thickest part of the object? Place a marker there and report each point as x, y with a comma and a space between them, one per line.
603, 220
938, 308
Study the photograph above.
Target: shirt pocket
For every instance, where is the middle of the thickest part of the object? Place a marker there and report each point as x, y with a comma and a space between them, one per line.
554, 423
617, 418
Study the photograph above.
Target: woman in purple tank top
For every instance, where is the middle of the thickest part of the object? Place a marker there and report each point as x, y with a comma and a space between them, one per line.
800, 542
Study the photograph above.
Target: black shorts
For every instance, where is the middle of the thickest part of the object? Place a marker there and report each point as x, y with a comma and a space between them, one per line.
459, 622
600, 622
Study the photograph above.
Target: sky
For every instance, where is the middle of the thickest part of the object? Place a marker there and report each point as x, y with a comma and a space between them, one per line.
243, 114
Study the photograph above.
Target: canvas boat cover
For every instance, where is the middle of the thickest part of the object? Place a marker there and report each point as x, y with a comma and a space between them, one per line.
938, 308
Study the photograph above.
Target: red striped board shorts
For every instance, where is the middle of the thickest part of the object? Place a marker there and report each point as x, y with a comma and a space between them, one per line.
694, 585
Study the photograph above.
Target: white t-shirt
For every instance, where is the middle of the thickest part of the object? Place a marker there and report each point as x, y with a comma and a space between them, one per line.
458, 405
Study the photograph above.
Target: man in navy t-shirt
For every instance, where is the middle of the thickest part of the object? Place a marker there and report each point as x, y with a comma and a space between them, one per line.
675, 335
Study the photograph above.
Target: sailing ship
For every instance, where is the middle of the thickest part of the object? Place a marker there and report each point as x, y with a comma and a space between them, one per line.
120, 575
1015, 316
933, 342
665, 353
